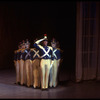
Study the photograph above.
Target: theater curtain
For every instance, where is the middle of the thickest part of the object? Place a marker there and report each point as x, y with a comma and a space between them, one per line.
87, 41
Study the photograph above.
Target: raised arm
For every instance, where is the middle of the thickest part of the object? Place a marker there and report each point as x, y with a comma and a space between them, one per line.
40, 40
36, 44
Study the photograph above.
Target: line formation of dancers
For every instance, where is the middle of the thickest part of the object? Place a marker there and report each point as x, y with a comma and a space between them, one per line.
37, 67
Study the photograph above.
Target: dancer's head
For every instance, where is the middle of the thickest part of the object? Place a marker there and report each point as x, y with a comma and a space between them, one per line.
27, 44
53, 43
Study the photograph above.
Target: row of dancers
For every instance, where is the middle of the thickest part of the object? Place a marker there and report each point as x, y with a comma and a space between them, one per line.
37, 66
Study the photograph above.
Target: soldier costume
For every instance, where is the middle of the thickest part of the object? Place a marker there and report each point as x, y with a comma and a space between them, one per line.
22, 68
54, 69
28, 67
45, 64
18, 64
35, 57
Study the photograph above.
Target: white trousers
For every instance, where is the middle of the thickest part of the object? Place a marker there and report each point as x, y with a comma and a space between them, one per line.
17, 66
36, 72
22, 72
28, 72
53, 73
45, 69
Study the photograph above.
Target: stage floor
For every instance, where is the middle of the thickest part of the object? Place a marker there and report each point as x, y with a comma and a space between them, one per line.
87, 89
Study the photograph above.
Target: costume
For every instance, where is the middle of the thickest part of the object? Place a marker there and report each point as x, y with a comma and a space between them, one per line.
28, 67
22, 67
18, 53
54, 69
35, 58
45, 63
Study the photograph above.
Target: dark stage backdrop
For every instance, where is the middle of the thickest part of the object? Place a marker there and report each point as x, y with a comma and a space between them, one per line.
22, 20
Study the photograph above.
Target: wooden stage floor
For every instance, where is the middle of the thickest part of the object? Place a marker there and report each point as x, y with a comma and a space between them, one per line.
68, 90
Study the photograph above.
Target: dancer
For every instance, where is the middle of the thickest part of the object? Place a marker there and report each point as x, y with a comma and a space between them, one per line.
28, 67
35, 57
22, 67
46, 63
17, 63
54, 69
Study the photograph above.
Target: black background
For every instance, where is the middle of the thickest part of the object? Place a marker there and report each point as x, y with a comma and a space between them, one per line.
20, 20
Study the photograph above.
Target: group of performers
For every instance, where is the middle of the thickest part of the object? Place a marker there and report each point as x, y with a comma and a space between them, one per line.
38, 66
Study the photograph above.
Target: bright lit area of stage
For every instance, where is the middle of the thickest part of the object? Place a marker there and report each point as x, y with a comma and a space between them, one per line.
65, 89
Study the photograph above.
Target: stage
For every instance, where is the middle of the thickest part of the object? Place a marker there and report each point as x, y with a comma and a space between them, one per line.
66, 89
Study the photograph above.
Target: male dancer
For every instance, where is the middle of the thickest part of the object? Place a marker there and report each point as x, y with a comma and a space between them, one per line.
54, 69
45, 64
28, 67
17, 64
35, 57
22, 67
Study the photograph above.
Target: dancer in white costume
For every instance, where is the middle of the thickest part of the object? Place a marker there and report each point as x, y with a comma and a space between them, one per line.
46, 62
54, 69
17, 64
28, 67
35, 60
22, 63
